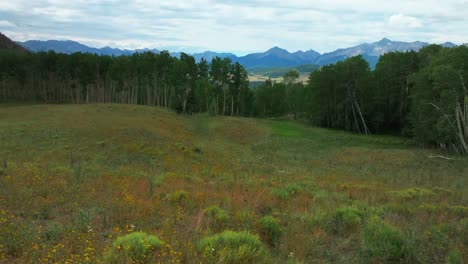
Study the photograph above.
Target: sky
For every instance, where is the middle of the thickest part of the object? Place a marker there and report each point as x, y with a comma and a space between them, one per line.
237, 26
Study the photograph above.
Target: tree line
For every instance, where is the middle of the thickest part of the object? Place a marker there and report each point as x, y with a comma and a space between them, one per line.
219, 87
419, 94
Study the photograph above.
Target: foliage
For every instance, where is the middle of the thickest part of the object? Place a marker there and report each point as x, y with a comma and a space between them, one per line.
270, 230
178, 197
142, 78
217, 217
81, 219
391, 97
286, 192
413, 193
339, 95
346, 219
413, 94
231, 247
54, 231
242, 161
137, 247
454, 257
438, 242
420, 94
383, 242
14, 235
439, 111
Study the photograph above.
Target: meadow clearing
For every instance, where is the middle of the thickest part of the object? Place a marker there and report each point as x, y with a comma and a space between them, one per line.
74, 179
304, 78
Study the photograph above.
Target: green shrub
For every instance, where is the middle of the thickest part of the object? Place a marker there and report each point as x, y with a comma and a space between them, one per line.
137, 247
439, 236
413, 193
286, 192
231, 247
13, 238
270, 230
454, 257
320, 195
437, 240
81, 219
217, 217
383, 242
178, 197
54, 231
293, 188
3, 167
245, 220
78, 173
462, 230
282, 194
346, 219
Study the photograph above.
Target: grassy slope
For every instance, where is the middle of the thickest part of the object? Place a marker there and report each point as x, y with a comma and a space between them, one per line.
79, 176
303, 77
276, 73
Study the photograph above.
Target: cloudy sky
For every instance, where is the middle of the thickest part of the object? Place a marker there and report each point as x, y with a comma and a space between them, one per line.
238, 26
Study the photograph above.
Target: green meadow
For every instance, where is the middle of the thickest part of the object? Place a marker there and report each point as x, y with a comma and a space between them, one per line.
106, 183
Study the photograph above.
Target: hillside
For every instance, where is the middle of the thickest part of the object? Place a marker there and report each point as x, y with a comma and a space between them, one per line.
258, 76
8, 44
75, 178
276, 72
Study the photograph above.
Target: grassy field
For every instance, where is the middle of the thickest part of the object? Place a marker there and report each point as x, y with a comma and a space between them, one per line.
276, 72
303, 77
76, 178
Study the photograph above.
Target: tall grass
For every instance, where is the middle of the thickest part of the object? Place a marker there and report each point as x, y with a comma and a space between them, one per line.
74, 178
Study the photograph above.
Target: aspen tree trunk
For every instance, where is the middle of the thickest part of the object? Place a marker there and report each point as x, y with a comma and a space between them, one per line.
224, 100
232, 105
238, 101
186, 95
4, 89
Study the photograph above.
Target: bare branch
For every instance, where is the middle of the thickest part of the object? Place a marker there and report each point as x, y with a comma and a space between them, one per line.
461, 78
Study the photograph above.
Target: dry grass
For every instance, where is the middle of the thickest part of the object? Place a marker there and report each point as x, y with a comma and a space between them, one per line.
78, 176
261, 78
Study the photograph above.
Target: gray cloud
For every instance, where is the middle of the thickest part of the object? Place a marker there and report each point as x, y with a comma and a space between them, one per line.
239, 26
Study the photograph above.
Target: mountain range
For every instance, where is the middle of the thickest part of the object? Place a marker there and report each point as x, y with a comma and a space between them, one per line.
69, 46
274, 57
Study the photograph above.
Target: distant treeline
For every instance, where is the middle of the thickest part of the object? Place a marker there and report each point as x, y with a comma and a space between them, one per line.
423, 95
419, 94
220, 87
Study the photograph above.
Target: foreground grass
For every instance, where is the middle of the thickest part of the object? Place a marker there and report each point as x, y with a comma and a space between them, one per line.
75, 178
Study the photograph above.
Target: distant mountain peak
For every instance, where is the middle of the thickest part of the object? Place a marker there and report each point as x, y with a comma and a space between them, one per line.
449, 45
276, 49
384, 41
370, 51
274, 57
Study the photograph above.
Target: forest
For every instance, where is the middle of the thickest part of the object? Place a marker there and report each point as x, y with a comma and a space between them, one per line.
414, 94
